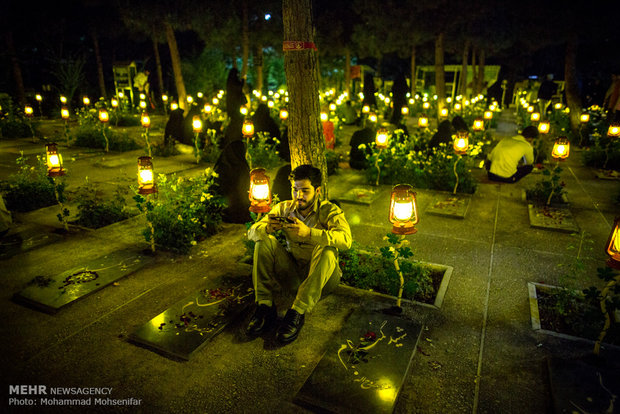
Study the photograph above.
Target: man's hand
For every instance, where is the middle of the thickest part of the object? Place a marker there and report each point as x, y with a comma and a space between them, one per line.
298, 228
273, 224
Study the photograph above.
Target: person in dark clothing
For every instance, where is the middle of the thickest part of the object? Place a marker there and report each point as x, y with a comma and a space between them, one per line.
283, 148
459, 125
188, 128
281, 184
233, 182
399, 98
263, 122
174, 127
494, 93
369, 91
357, 156
443, 135
234, 95
545, 93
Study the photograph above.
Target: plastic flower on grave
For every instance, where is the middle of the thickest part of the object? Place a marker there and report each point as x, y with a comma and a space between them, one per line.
283, 113
260, 194
145, 120
403, 210
248, 128
613, 130
197, 124
381, 139
423, 121
561, 149
53, 160
478, 124
543, 127
612, 248
146, 181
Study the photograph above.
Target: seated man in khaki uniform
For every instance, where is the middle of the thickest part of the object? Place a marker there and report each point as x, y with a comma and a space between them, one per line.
315, 230
513, 157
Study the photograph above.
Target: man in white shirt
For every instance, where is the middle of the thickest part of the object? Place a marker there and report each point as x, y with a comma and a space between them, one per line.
513, 157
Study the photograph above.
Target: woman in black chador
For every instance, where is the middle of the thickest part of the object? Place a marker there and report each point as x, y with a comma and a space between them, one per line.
234, 94
233, 182
399, 98
369, 91
263, 122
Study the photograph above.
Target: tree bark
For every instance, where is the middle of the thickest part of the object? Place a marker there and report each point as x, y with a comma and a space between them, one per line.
100, 77
480, 78
306, 141
463, 78
413, 68
160, 75
440, 75
17, 70
474, 72
176, 66
347, 70
245, 40
570, 78
259, 65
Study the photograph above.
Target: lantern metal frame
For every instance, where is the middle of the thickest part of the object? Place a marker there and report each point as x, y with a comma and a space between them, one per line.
53, 169
145, 187
399, 226
560, 142
258, 176
610, 247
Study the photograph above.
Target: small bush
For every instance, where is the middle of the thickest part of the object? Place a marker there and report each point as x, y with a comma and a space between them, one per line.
550, 183
262, 151
90, 136
13, 123
94, 211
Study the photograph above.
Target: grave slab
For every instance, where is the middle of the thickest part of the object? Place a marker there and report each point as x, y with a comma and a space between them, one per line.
52, 294
585, 385
607, 174
24, 240
364, 366
360, 195
191, 323
552, 218
450, 205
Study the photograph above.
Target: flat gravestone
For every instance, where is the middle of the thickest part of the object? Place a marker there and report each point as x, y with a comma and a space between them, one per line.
364, 366
360, 195
607, 174
189, 324
552, 218
52, 294
25, 240
448, 204
584, 385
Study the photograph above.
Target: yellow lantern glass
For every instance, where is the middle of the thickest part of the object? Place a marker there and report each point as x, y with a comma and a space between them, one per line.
243, 110
207, 108
372, 117
613, 130
558, 105
146, 179
488, 115
457, 106
248, 128
38, 97
404, 110
332, 106
443, 112
121, 95
381, 139
174, 106
535, 116
53, 160
612, 248
426, 105
196, 124
260, 194
114, 103
584, 118
86, 100
215, 101
63, 99
478, 124
403, 210
28, 111
189, 99
164, 98
145, 120
283, 113
423, 121
142, 96
561, 149
270, 104
64, 113
365, 109
530, 109
104, 116
544, 127
461, 143
142, 104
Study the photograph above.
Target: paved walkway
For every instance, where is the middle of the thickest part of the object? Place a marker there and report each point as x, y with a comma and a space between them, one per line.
477, 353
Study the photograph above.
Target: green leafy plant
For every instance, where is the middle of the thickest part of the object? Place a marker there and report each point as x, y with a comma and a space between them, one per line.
30, 188
13, 123
262, 151
182, 212
211, 150
94, 211
550, 189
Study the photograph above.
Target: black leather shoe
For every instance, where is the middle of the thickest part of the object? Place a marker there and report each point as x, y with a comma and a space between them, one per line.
291, 325
262, 320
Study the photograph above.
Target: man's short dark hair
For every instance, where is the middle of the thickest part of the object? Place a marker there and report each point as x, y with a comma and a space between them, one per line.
530, 132
307, 172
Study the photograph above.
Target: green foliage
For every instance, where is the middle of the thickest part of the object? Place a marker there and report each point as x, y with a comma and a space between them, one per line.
13, 123
604, 153
210, 152
91, 136
206, 72
30, 188
183, 211
262, 151
550, 182
94, 211
332, 158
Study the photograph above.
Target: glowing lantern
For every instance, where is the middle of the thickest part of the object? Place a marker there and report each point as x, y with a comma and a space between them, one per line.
53, 161
104, 116
614, 130
207, 108
457, 106
365, 109
612, 248
38, 97
215, 101
283, 113
174, 106
558, 105
423, 121
544, 127
478, 124
372, 117
63, 99
142, 96
381, 140
64, 113
146, 180
323, 116
561, 149
488, 115
243, 110
530, 109
248, 128
270, 104
403, 210
114, 103
189, 99
145, 120
164, 98
28, 111
332, 106
86, 100
121, 95
197, 124
443, 112
584, 118
200, 95
404, 110
142, 104
535, 116
461, 143
426, 105
260, 195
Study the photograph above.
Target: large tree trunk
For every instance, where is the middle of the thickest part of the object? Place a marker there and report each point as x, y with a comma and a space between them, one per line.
100, 78
480, 77
570, 87
305, 133
259, 65
347, 70
245, 40
160, 75
176, 66
474, 73
463, 78
413, 68
17, 70
440, 75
